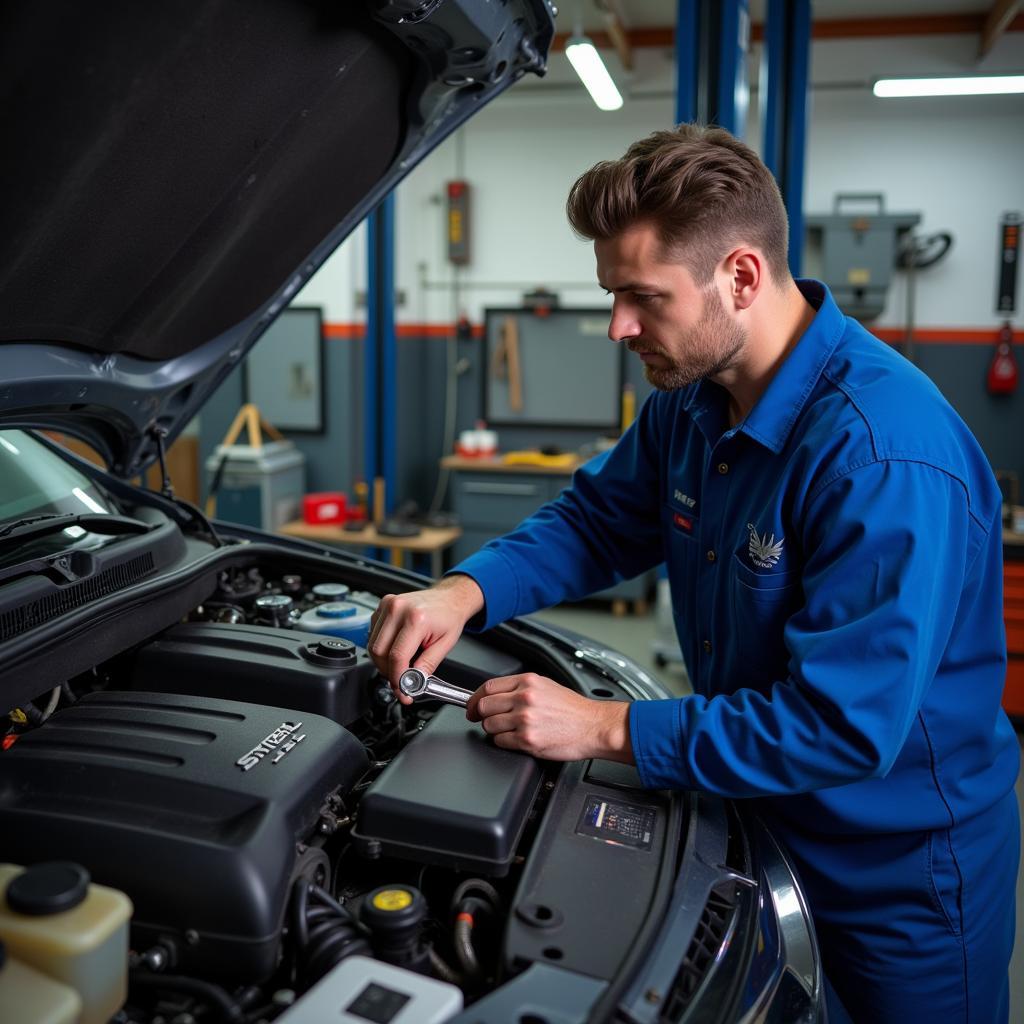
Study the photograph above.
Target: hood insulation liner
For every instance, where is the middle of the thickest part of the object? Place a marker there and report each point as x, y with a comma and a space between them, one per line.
177, 162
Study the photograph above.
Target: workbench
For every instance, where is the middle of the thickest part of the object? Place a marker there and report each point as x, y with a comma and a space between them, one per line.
430, 541
491, 497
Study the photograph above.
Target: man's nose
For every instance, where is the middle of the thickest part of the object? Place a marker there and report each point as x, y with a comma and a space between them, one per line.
622, 326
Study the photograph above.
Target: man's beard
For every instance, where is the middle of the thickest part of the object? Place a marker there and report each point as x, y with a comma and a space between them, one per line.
710, 345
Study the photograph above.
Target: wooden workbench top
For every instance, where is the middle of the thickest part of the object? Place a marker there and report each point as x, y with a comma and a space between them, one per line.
427, 540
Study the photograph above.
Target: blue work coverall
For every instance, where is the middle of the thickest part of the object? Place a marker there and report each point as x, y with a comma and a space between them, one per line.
836, 573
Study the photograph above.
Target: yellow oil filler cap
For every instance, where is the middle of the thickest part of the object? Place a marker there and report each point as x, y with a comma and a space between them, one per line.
392, 899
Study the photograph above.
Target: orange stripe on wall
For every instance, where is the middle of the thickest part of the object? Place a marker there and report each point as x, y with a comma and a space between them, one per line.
891, 335
936, 336
358, 331
334, 330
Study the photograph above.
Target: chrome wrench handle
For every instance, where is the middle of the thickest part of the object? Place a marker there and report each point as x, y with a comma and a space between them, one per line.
417, 684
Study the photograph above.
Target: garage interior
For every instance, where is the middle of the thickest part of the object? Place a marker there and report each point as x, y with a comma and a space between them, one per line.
446, 370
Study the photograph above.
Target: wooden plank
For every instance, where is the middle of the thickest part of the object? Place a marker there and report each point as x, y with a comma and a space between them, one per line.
619, 34
997, 21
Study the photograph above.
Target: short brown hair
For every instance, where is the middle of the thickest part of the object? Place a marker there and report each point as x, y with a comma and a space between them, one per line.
702, 189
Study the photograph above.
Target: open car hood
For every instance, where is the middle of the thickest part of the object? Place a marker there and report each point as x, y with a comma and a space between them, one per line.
175, 173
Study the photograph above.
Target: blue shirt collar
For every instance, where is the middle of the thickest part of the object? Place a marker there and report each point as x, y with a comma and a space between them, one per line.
772, 419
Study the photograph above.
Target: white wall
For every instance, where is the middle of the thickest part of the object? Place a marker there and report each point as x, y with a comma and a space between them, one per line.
337, 283
959, 162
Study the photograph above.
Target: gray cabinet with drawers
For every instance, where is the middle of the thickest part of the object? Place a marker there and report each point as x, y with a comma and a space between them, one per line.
491, 503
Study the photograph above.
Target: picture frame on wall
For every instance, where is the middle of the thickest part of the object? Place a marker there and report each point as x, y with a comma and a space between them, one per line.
283, 375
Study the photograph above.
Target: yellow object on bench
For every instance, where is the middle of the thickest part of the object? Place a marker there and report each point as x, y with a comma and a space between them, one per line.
565, 460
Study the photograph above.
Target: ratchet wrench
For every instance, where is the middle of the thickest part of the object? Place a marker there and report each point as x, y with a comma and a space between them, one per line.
417, 684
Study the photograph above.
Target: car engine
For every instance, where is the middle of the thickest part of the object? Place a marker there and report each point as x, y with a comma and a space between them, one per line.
248, 780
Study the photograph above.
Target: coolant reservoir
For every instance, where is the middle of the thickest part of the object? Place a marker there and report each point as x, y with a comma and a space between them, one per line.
338, 618
54, 920
29, 995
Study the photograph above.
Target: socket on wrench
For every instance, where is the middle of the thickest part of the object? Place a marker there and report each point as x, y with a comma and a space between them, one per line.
417, 684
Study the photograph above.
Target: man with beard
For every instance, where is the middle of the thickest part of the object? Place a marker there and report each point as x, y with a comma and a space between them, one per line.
831, 530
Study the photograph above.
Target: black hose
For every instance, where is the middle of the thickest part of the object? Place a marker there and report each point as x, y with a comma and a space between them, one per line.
325, 932
463, 942
443, 970
467, 908
477, 885
300, 904
920, 253
213, 995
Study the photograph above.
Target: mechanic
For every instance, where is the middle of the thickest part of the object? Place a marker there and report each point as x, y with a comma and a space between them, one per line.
832, 535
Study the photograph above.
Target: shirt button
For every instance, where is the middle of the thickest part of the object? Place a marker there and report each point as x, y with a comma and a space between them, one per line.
723, 468
711, 556
707, 646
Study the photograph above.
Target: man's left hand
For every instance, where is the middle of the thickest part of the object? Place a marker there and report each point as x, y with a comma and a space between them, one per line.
536, 715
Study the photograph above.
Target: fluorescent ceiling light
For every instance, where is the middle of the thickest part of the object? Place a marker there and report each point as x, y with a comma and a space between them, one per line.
980, 85
587, 62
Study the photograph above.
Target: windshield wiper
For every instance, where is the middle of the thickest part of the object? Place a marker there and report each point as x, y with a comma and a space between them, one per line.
92, 522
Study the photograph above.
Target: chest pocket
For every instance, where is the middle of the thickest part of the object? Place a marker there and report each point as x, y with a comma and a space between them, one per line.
762, 603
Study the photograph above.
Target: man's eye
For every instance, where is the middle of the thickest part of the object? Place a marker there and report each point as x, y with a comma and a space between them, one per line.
643, 298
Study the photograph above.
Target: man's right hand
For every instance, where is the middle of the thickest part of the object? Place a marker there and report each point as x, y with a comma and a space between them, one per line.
418, 629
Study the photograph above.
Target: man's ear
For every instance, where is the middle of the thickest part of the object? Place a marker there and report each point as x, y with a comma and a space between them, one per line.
745, 271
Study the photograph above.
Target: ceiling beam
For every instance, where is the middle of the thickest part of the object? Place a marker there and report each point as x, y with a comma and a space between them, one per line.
618, 33
838, 28
998, 19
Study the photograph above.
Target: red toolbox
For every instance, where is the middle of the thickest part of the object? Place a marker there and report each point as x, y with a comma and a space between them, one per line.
325, 507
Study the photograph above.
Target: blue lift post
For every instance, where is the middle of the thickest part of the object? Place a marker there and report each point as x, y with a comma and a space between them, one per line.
687, 52
784, 99
380, 410
732, 42
712, 41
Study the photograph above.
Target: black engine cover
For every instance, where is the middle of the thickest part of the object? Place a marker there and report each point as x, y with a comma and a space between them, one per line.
263, 664
191, 806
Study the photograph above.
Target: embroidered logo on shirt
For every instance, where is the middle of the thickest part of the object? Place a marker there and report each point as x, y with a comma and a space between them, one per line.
684, 499
764, 551
682, 522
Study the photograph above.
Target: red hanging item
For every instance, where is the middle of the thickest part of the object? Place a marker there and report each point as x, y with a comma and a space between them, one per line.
1002, 371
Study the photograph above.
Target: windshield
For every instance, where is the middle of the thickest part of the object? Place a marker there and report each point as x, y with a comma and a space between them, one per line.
36, 482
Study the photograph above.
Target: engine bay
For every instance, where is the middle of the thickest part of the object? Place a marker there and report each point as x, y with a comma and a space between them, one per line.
249, 781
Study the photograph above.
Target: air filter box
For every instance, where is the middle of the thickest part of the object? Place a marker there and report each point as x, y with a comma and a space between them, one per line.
452, 798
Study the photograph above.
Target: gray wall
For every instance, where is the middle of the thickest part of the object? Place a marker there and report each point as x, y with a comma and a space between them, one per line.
335, 459
997, 421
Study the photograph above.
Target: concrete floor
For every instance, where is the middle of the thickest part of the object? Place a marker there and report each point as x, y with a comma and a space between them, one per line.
634, 636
